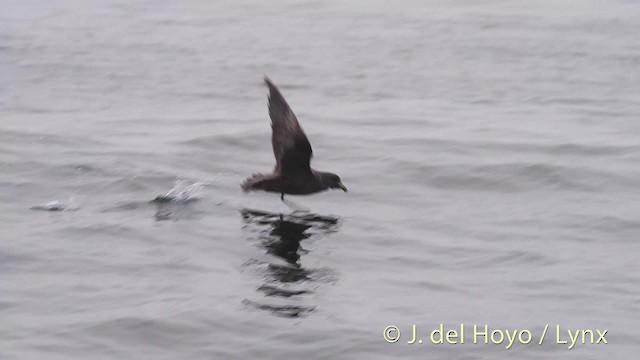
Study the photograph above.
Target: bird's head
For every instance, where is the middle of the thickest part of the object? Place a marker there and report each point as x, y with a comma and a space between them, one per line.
332, 181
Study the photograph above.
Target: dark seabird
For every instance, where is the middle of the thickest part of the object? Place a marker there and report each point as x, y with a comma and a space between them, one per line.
293, 173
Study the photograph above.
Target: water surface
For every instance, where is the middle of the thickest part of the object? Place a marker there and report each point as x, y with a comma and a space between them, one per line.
491, 153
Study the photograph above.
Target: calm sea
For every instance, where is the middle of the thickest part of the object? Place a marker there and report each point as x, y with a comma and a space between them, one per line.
491, 150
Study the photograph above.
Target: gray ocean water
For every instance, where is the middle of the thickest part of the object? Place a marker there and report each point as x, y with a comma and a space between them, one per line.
491, 151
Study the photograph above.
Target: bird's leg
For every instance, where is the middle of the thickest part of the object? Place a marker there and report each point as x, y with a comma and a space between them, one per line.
293, 206
282, 196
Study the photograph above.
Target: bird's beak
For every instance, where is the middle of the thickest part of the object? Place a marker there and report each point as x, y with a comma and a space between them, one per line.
341, 186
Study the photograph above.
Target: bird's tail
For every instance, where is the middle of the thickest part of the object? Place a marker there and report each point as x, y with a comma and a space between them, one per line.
257, 182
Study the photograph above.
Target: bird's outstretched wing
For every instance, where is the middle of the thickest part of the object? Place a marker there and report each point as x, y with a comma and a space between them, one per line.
290, 145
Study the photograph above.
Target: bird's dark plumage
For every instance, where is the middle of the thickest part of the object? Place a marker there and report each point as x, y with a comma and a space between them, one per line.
293, 173
290, 145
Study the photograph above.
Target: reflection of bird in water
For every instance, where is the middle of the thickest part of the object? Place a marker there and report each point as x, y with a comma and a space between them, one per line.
285, 232
281, 235
287, 235
293, 173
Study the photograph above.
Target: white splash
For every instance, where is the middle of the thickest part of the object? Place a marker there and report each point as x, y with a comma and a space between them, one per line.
184, 191
57, 205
